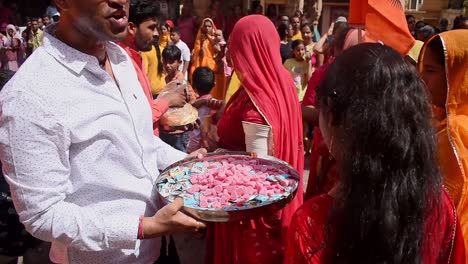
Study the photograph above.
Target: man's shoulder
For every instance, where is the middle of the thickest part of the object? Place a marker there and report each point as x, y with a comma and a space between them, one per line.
38, 76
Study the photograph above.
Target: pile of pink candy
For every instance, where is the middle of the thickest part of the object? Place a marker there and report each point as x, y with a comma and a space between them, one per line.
231, 184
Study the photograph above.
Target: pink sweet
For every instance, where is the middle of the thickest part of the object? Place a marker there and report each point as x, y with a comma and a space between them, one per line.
226, 181
216, 205
218, 189
193, 189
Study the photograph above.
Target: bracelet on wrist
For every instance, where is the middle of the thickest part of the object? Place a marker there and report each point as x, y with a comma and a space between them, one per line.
141, 234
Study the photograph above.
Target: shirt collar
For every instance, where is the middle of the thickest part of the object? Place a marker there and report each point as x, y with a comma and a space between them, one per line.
134, 55
72, 58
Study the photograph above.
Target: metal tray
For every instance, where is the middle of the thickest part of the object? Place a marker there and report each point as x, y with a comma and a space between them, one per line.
220, 215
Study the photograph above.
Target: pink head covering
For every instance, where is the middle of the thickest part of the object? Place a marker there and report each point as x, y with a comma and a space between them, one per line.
352, 38
8, 40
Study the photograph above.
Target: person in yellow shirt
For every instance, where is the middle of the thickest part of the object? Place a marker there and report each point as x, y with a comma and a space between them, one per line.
164, 35
296, 23
153, 68
35, 39
298, 66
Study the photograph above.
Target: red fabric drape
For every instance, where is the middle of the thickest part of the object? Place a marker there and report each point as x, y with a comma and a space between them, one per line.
357, 12
254, 51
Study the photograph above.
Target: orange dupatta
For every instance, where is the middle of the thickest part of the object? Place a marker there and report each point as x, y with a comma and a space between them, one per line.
452, 133
209, 57
208, 60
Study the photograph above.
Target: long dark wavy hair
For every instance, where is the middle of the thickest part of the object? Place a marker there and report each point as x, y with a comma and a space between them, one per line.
390, 180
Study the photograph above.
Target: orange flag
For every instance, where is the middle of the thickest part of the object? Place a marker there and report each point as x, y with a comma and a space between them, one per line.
357, 12
386, 22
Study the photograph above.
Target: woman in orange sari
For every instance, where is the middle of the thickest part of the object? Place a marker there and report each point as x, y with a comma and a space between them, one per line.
204, 55
266, 101
444, 67
390, 205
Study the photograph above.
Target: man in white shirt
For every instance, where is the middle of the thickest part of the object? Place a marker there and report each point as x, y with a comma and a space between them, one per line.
185, 57
77, 147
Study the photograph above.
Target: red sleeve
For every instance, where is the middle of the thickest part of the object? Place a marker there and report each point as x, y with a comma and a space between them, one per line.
314, 82
458, 250
307, 232
159, 107
252, 115
294, 254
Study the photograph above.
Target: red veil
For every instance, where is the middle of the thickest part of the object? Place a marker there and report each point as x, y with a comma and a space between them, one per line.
254, 46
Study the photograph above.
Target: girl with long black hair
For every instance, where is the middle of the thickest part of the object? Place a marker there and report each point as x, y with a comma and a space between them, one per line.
389, 205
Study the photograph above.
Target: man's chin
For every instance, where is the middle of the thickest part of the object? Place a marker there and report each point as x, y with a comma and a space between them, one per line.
117, 36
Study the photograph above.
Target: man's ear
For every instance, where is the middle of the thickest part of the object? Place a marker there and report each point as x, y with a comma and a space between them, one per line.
62, 5
132, 28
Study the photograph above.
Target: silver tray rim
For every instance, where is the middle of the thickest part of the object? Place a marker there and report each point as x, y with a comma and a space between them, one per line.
213, 215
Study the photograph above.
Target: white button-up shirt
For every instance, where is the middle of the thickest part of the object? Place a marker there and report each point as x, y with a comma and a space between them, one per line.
79, 153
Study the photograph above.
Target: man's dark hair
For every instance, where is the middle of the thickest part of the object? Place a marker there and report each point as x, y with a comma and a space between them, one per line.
419, 24
44, 16
459, 21
141, 10
171, 53
34, 19
427, 31
175, 30
410, 16
203, 80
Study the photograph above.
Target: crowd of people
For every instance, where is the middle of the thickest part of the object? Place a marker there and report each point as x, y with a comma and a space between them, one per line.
385, 130
20, 37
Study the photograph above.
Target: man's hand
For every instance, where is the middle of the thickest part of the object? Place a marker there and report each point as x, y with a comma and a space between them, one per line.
169, 220
176, 98
211, 103
200, 153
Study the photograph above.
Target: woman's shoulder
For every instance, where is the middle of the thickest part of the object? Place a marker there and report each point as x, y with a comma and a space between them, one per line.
316, 208
309, 231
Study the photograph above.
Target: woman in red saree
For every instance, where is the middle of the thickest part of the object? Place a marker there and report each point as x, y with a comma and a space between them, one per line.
204, 55
389, 205
267, 97
323, 174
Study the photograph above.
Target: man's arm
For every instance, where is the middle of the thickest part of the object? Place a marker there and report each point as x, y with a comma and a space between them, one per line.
185, 59
34, 149
167, 155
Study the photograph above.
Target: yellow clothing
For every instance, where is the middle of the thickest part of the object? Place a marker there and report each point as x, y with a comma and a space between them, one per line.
299, 72
164, 40
234, 85
35, 40
452, 125
297, 36
310, 48
150, 67
208, 59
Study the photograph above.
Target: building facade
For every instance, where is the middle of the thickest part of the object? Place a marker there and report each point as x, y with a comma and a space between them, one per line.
431, 11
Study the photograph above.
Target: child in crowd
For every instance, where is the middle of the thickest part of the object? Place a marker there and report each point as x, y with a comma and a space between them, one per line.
171, 61
185, 51
203, 81
220, 47
164, 35
298, 66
